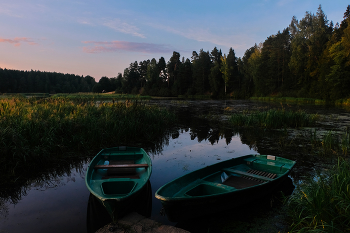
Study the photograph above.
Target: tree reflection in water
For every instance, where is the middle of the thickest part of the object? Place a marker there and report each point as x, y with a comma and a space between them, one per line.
204, 130
97, 216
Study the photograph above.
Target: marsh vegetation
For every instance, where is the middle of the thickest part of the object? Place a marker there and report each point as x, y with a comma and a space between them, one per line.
79, 128
273, 118
321, 203
35, 133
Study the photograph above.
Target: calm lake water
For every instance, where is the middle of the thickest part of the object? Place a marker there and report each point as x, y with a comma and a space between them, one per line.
60, 203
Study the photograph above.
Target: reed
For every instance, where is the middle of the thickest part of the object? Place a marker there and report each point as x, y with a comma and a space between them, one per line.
322, 204
274, 118
293, 100
345, 143
330, 143
198, 97
38, 131
100, 96
345, 102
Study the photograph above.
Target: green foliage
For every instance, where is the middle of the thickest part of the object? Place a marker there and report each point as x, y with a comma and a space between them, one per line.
225, 70
340, 71
215, 77
290, 99
49, 129
272, 72
203, 97
93, 96
274, 118
201, 70
343, 102
329, 144
322, 204
16, 81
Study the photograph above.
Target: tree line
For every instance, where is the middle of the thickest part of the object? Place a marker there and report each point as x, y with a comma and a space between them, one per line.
19, 81
310, 58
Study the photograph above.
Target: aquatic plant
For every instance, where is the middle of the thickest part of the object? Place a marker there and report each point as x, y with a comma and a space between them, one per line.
100, 96
273, 118
34, 132
345, 143
330, 143
294, 100
345, 102
198, 97
322, 204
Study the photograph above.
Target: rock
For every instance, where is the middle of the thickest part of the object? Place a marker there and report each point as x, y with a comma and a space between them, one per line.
136, 223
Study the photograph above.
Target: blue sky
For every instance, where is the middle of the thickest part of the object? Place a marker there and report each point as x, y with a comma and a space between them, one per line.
102, 37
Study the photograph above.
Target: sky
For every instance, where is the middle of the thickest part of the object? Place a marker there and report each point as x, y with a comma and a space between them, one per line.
103, 37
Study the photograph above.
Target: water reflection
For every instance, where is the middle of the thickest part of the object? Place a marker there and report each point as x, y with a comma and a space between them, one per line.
97, 215
56, 196
240, 218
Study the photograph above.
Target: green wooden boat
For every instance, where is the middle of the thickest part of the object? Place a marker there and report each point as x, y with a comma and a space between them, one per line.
223, 186
116, 175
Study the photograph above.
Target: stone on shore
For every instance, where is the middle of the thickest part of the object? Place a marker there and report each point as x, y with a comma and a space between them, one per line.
136, 223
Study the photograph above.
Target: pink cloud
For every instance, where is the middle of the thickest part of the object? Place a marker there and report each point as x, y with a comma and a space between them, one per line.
18, 40
115, 46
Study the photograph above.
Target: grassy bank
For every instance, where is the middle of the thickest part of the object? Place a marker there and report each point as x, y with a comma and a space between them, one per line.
35, 132
291, 100
273, 118
195, 97
345, 102
322, 204
340, 102
99, 96
330, 144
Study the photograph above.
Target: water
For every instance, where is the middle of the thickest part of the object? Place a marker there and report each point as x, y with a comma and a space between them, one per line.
60, 203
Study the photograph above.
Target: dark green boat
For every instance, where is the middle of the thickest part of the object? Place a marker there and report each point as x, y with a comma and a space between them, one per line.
223, 186
116, 175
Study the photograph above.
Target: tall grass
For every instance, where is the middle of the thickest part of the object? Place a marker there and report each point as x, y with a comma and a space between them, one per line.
198, 97
292, 100
330, 143
289, 99
37, 131
345, 143
323, 203
99, 96
274, 118
345, 102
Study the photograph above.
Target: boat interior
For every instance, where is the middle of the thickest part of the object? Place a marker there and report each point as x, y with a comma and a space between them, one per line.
118, 174
250, 173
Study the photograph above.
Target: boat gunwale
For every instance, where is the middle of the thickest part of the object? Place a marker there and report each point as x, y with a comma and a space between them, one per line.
168, 199
138, 185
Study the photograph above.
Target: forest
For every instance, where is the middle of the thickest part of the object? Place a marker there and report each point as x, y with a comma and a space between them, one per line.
310, 58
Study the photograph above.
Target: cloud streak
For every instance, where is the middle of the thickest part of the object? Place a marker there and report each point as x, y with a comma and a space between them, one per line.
123, 27
116, 46
18, 40
237, 41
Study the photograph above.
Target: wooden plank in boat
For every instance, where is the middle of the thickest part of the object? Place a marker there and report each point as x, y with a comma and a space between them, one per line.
247, 174
121, 166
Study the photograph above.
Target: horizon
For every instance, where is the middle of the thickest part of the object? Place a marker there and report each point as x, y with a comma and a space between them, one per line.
102, 39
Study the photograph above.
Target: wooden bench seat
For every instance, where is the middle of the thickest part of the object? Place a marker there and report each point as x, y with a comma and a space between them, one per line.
121, 176
120, 166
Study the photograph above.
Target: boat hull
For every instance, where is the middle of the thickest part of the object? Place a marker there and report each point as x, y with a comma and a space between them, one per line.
116, 177
186, 209
201, 192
